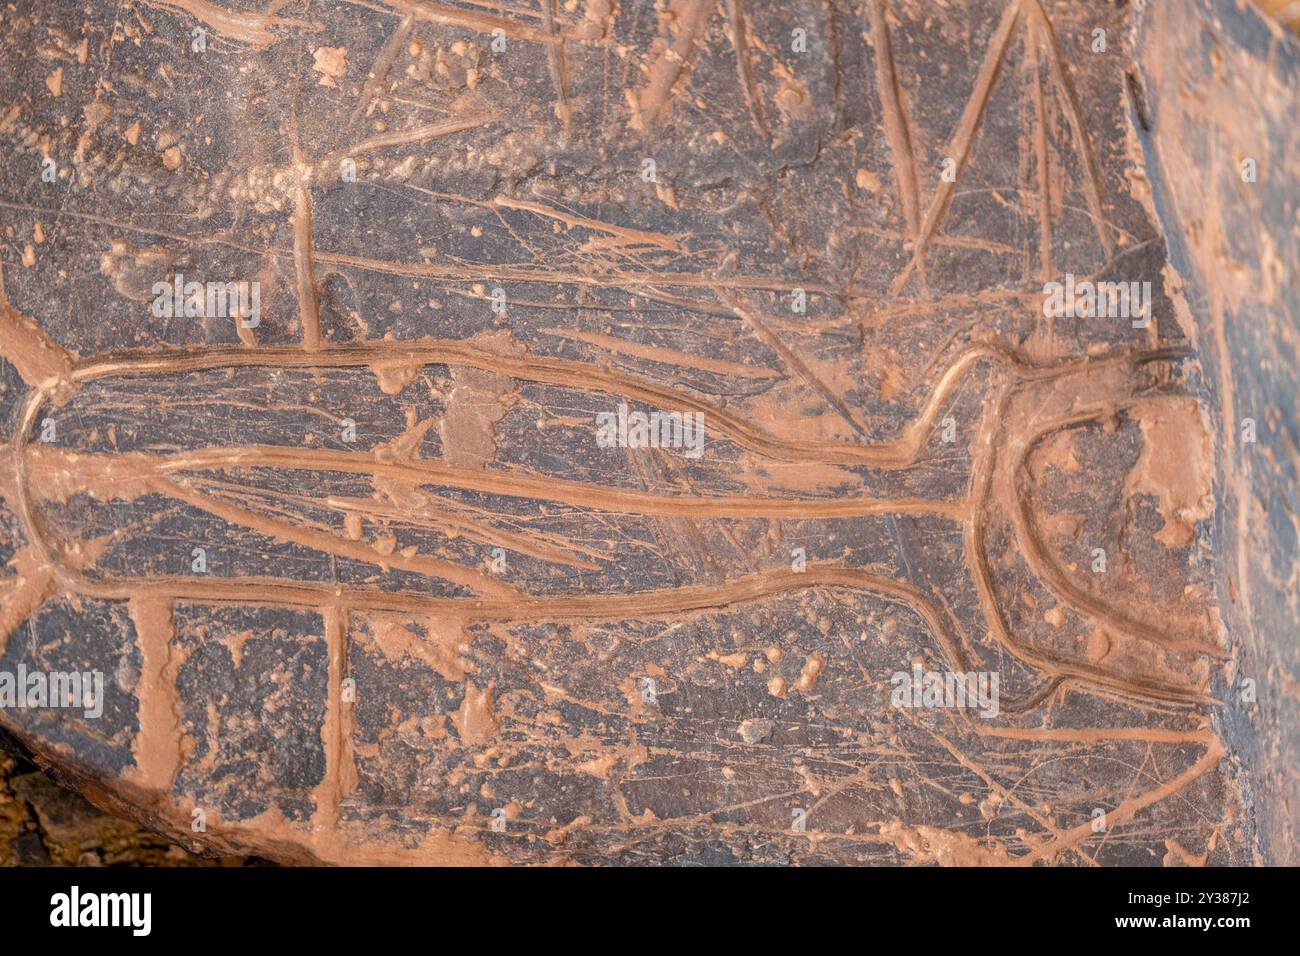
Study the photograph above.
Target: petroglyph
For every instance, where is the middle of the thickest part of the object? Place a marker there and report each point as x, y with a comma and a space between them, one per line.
377, 592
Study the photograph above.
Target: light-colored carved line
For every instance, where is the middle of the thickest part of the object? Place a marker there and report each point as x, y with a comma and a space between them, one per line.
556, 65
39, 360
1128, 808
563, 491
639, 605
255, 29
477, 581
666, 69
214, 590
642, 281
23, 592
744, 66
140, 469
577, 375
991, 441
896, 126
436, 514
328, 793
1091, 735
158, 747
303, 259
403, 137
440, 13
377, 76
600, 607
1046, 566
960, 142
602, 279
661, 355
897, 453
1065, 90
1032, 39
795, 362
544, 547
632, 236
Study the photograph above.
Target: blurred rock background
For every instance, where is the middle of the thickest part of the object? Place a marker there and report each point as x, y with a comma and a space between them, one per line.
44, 824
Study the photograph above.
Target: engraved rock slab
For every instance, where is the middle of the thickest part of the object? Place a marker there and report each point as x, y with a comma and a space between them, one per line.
604, 431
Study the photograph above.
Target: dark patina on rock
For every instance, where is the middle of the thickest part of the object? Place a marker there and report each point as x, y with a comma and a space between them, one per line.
363, 583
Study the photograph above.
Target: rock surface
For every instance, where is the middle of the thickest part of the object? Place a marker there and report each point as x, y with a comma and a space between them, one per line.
377, 565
